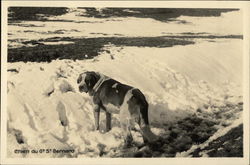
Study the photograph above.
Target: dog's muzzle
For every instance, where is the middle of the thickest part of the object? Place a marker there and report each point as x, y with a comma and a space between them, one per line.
83, 88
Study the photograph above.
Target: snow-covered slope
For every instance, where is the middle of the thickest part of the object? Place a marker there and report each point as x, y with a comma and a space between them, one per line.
42, 95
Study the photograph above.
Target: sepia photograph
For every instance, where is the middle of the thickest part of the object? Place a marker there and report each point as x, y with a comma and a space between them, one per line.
124, 82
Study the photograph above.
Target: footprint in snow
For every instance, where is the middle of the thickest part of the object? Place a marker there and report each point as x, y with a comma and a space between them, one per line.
10, 85
62, 114
18, 135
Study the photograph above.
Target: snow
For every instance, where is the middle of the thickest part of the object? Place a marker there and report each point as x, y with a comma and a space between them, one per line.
172, 93
45, 106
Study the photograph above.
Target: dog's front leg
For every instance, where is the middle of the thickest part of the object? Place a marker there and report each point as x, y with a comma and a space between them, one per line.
97, 116
108, 121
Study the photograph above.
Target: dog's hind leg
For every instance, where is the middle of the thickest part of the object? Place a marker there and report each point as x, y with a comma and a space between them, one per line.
128, 138
97, 116
147, 134
126, 129
108, 121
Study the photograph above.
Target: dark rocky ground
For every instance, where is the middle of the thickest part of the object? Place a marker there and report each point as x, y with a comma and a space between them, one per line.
161, 14
229, 145
85, 48
195, 130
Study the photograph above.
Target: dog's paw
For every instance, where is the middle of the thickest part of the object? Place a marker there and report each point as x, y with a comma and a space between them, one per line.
102, 131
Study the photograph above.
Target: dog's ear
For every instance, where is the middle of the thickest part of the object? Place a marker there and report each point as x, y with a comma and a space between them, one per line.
91, 79
95, 75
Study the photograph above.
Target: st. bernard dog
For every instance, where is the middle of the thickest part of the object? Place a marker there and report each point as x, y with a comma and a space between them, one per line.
115, 97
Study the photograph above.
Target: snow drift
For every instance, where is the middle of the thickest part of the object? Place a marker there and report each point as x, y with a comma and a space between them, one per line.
45, 105
46, 111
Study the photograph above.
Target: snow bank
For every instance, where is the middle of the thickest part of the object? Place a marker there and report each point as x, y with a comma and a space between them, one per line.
46, 109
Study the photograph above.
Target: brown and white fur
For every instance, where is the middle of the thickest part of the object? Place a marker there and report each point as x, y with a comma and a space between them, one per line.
115, 97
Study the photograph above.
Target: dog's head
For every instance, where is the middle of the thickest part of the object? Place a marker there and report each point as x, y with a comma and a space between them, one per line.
87, 81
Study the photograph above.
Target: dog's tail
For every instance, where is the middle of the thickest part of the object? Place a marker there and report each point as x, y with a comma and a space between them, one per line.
148, 135
143, 104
